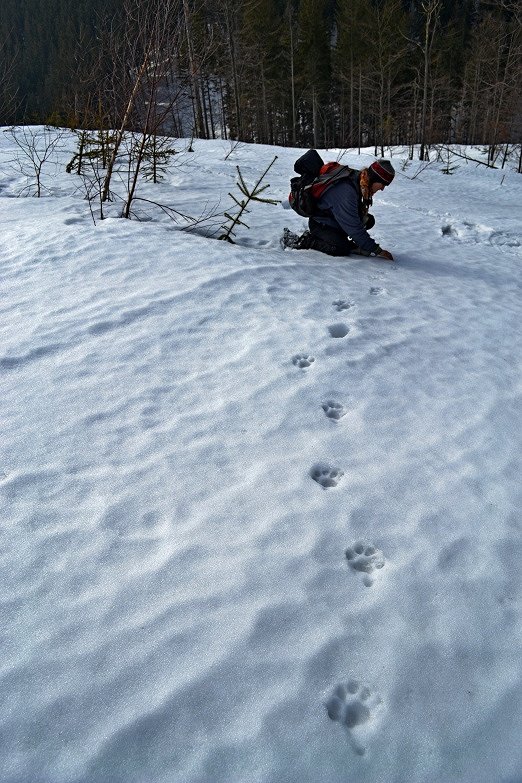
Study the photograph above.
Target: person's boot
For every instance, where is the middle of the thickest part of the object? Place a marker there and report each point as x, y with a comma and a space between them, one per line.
289, 239
304, 242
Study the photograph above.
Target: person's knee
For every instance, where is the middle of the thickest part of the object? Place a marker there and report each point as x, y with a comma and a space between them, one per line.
369, 222
323, 246
310, 242
327, 241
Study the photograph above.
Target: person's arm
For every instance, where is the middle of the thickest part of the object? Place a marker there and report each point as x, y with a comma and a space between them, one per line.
341, 200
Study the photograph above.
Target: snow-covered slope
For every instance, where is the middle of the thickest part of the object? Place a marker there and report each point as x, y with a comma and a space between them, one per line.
182, 600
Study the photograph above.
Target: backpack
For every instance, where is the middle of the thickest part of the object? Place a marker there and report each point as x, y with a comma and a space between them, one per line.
315, 177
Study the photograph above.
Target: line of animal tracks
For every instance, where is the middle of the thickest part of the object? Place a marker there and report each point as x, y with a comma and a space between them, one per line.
351, 704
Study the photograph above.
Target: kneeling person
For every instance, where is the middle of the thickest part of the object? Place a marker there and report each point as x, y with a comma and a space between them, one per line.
341, 224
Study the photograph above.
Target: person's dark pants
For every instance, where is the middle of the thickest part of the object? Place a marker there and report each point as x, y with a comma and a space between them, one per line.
330, 240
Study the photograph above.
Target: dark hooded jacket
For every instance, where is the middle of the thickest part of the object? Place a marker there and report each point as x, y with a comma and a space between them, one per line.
343, 208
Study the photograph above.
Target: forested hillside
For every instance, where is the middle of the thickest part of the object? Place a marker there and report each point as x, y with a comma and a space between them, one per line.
301, 72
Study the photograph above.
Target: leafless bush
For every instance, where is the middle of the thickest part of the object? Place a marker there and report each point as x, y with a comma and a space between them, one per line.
35, 150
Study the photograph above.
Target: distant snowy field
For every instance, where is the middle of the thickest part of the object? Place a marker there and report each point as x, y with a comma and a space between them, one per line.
182, 601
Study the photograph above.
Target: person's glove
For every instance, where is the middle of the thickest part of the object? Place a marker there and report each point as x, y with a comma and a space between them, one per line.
382, 253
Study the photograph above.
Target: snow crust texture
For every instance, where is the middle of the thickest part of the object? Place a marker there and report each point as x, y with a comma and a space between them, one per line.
261, 507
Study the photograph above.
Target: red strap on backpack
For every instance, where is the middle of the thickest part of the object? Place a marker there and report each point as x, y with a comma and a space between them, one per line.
329, 167
327, 176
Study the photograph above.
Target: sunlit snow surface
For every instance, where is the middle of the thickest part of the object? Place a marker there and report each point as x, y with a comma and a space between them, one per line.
261, 508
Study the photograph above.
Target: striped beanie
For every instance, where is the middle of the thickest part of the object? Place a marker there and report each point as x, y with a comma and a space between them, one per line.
381, 171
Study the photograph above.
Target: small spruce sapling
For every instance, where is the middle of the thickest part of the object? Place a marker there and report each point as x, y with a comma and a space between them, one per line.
93, 184
248, 195
77, 162
92, 147
450, 166
157, 154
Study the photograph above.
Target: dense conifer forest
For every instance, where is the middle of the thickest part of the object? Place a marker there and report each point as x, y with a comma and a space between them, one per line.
287, 72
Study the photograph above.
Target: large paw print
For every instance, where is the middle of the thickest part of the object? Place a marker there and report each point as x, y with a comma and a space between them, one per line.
326, 476
303, 360
354, 706
342, 304
333, 410
338, 330
365, 558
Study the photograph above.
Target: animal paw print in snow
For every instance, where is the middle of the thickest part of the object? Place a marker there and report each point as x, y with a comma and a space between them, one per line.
354, 707
303, 360
365, 558
338, 330
326, 476
333, 410
342, 304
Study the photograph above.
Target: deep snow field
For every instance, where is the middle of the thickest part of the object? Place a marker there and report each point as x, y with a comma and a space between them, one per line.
182, 600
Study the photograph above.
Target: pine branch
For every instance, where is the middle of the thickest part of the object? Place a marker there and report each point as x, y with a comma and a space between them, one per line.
250, 195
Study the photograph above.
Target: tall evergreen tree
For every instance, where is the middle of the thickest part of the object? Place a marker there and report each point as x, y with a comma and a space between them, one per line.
351, 62
387, 60
261, 55
313, 68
